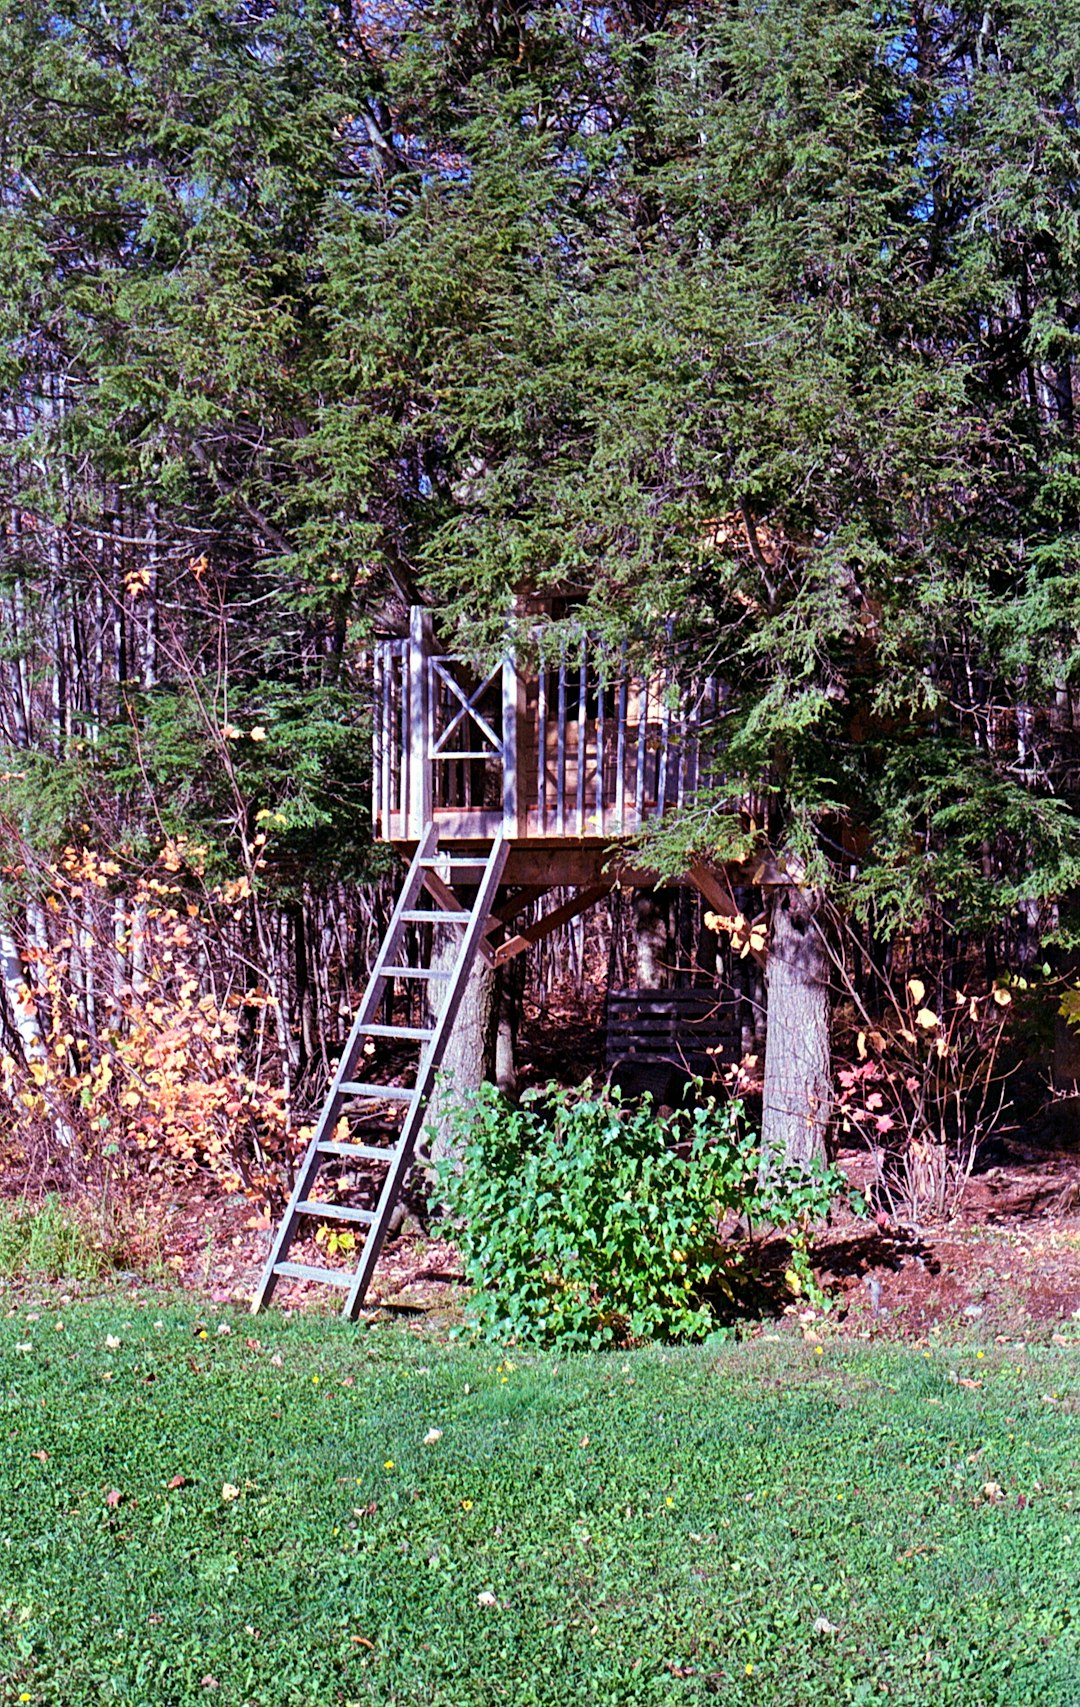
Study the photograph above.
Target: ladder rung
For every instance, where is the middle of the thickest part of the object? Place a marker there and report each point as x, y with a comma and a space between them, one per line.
303, 1271
414, 972
335, 1211
375, 1093
367, 1152
414, 1033
435, 916
459, 862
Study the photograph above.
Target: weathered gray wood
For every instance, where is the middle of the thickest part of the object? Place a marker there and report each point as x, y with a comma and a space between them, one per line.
541, 749
513, 695
582, 725
351, 1055
662, 759
380, 749
420, 646
560, 753
345, 1089
448, 730
335, 1211
642, 748
429, 1066
304, 1271
601, 783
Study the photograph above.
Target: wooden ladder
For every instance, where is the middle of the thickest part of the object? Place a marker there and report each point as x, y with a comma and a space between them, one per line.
432, 874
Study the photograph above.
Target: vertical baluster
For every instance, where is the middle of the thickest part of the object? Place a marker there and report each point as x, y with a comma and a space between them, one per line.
707, 777
560, 751
642, 729
582, 731
541, 749
378, 811
687, 713
511, 696
601, 690
662, 756
404, 770
620, 747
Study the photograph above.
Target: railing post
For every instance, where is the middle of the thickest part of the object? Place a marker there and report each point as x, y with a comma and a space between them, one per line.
421, 645
512, 698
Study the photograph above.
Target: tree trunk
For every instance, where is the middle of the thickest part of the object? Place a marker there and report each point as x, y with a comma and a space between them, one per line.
798, 1082
650, 937
469, 1058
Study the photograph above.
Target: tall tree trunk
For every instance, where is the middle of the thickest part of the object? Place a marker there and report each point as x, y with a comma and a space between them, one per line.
650, 937
470, 1054
798, 1082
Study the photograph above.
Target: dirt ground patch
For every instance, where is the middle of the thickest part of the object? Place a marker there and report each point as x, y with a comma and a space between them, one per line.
1008, 1265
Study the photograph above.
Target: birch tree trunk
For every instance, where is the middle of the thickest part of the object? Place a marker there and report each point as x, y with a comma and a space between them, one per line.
797, 1101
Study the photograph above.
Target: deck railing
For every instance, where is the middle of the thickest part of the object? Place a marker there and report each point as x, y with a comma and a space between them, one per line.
582, 747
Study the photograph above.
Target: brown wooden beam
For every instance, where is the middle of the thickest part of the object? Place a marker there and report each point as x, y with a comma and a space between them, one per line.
514, 904
718, 893
551, 921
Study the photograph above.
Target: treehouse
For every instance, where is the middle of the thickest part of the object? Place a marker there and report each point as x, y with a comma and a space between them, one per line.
561, 760
497, 787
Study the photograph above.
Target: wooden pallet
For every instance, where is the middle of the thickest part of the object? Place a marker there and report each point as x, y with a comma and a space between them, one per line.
683, 1028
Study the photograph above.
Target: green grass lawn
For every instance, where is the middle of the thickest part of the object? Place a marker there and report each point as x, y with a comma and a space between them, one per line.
765, 1524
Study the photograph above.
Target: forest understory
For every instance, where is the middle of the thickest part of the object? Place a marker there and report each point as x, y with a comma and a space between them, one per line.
1004, 1265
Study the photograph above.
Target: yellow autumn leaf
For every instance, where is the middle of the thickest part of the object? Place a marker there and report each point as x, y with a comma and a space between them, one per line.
1002, 998
927, 1018
916, 989
860, 1044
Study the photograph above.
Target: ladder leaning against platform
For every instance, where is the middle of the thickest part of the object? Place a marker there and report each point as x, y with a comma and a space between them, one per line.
432, 875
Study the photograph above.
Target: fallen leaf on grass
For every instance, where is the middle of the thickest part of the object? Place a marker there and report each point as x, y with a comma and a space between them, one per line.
112, 1342
432, 1435
362, 1642
43, 1456
177, 1482
993, 1491
229, 1492
965, 1381
822, 1627
209, 1682
486, 1598
113, 1498
277, 1360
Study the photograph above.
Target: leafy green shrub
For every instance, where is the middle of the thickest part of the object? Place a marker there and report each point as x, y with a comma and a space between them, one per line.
597, 1222
57, 1240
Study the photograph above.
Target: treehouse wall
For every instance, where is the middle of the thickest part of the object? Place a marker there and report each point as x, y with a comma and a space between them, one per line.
580, 749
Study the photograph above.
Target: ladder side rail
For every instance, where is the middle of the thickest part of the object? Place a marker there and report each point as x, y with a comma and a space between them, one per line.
332, 1104
429, 1066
